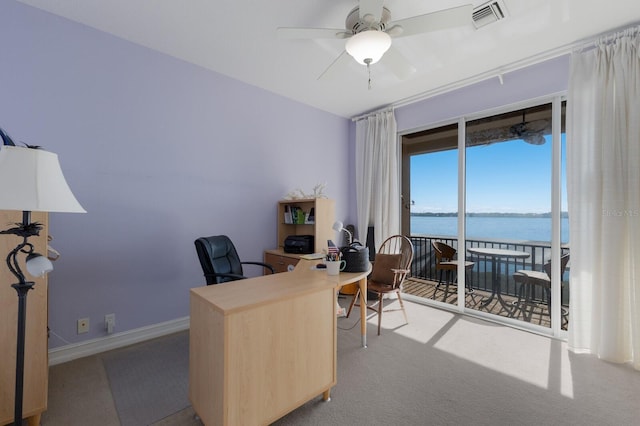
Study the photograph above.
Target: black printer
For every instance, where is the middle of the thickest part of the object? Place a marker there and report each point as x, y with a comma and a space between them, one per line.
299, 244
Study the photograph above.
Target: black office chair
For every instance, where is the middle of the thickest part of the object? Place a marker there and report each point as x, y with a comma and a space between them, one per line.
219, 260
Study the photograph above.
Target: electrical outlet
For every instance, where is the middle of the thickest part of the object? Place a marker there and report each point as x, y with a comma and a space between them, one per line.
83, 325
109, 322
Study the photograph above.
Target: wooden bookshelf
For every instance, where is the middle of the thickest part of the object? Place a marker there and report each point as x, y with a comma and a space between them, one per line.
320, 228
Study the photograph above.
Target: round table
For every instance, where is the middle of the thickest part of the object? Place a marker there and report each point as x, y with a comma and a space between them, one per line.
496, 255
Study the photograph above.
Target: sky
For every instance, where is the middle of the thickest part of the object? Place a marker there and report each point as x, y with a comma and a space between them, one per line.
507, 177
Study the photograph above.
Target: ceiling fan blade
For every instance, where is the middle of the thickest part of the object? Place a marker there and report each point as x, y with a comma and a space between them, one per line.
541, 125
338, 66
289, 33
372, 8
443, 19
397, 63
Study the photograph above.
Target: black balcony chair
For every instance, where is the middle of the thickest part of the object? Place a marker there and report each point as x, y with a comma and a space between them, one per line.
528, 280
447, 263
219, 260
392, 265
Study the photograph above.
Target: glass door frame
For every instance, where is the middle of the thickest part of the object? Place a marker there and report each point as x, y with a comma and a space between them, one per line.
556, 101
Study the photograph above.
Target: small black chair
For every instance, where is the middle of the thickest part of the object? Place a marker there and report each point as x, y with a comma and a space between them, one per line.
528, 279
219, 260
446, 262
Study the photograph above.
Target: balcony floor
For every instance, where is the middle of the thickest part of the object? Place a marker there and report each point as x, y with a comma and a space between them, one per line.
536, 314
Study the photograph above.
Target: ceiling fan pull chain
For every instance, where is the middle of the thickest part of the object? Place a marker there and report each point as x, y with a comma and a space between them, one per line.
368, 62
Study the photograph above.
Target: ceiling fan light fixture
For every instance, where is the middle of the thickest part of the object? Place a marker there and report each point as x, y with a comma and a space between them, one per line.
367, 47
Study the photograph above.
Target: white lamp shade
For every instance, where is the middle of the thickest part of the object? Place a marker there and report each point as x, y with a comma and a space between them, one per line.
338, 226
370, 44
38, 265
31, 180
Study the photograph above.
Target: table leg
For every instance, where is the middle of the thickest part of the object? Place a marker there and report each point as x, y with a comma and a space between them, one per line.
363, 310
494, 282
496, 287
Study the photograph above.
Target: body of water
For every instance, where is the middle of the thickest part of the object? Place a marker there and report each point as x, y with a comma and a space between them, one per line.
490, 228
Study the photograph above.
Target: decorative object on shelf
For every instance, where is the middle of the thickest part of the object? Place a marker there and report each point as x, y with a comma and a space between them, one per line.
34, 182
318, 190
299, 194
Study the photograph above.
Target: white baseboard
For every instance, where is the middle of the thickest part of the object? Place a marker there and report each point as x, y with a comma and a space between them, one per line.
116, 340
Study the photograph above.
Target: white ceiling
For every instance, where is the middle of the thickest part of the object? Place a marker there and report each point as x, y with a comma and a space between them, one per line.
238, 38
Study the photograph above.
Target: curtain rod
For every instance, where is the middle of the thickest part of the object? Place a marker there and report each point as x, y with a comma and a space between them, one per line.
501, 71
613, 36
368, 114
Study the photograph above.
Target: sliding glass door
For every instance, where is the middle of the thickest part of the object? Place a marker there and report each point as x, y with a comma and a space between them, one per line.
430, 195
510, 180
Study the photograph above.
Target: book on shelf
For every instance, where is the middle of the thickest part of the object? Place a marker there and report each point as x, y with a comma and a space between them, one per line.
294, 215
298, 217
288, 218
310, 218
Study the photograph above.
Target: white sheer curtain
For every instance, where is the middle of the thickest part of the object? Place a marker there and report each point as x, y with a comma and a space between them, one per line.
603, 186
377, 181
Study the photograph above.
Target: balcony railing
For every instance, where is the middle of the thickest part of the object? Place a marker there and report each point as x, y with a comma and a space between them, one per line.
424, 263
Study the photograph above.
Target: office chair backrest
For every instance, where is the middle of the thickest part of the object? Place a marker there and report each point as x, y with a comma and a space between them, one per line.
218, 255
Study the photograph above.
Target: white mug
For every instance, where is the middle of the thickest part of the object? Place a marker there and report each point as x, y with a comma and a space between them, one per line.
335, 266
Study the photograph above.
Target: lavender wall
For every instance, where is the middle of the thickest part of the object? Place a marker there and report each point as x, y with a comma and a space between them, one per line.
542, 79
159, 152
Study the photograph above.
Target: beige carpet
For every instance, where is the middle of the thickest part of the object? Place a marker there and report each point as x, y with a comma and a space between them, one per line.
441, 369
79, 394
148, 381
184, 417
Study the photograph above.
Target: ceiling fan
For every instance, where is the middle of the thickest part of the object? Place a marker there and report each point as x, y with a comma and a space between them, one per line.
531, 131
369, 30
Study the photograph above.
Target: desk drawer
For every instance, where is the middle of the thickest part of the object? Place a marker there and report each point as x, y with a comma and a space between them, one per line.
280, 263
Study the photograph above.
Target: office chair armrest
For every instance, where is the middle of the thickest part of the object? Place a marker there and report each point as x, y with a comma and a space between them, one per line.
265, 265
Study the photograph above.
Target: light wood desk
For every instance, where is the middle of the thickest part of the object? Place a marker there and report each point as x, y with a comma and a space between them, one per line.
261, 347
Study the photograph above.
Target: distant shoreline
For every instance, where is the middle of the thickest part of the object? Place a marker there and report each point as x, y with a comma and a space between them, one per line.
495, 214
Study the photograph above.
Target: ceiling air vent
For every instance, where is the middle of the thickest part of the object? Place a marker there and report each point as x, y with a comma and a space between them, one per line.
488, 13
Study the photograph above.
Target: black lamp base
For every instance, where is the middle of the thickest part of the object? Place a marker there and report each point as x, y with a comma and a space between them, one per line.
21, 289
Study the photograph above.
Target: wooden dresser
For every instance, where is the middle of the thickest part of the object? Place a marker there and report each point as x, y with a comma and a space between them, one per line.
36, 353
